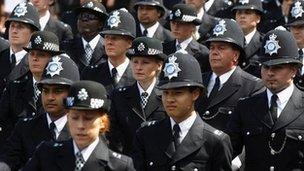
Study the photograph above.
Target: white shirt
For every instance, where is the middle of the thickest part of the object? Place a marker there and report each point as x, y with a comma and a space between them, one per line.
151, 30
249, 36
43, 20
184, 125
149, 90
120, 68
283, 97
223, 79
183, 44
93, 42
60, 123
208, 4
86, 152
19, 55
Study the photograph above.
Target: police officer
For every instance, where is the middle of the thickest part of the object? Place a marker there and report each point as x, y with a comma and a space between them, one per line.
50, 23
248, 15
270, 124
59, 74
21, 97
140, 103
183, 21
149, 12
227, 82
296, 26
87, 48
23, 21
116, 72
88, 105
183, 141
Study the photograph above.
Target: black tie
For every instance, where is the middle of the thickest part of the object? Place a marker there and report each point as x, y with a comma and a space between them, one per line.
13, 61
114, 75
52, 129
215, 88
145, 32
176, 136
274, 107
300, 54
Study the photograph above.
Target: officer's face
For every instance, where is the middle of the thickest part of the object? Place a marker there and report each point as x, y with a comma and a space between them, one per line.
222, 57
276, 78
196, 3
85, 126
247, 19
145, 69
298, 34
148, 15
52, 99
37, 61
179, 103
182, 30
116, 45
19, 34
41, 5
89, 25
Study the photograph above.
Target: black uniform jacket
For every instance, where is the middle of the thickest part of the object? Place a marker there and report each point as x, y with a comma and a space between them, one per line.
217, 111
127, 115
204, 148
161, 33
26, 136
251, 125
51, 156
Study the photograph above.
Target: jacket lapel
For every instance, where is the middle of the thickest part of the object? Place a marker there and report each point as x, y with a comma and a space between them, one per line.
254, 45
193, 47
126, 78
133, 100
153, 103
262, 110
98, 52
65, 156
64, 134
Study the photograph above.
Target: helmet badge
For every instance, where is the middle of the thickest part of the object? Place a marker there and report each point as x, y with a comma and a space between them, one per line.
171, 68
272, 46
54, 67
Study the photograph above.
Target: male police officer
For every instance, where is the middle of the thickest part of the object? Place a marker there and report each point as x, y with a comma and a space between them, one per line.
116, 71
59, 74
183, 141
270, 124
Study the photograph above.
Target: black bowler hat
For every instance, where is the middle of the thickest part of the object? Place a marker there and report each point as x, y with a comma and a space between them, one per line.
184, 13
249, 4
296, 14
180, 70
279, 47
87, 95
44, 41
155, 3
120, 22
24, 13
93, 7
147, 47
60, 70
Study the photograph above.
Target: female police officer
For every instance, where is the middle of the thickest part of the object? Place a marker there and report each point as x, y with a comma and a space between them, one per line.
87, 103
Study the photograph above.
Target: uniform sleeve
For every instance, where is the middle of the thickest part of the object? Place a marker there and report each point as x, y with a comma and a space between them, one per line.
130, 165
34, 163
222, 155
138, 154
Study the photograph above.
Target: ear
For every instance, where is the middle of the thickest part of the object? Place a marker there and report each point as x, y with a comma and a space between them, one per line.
195, 94
51, 2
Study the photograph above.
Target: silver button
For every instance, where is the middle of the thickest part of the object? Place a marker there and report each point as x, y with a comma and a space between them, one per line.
271, 168
229, 112
273, 135
151, 164
248, 133
195, 169
207, 112
0, 128
300, 137
173, 167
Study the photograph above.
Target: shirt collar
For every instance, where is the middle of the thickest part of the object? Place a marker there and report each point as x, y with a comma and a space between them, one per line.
186, 124
19, 55
283, 96
185, 43
200, 13
120, 68
151, 30
93, 42
43, 20
224, 77
249, 36
149, 90
86, 152
60, 123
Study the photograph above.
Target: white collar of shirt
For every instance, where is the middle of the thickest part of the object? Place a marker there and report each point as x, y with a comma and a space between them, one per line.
208, 4
34, 81
149, 90
249, 36
185, 125
223, 79
185, 43
86, 152
283, 97
19, 55
60, 123
93, 42
200, 13
43, 20
120, 68
151, 30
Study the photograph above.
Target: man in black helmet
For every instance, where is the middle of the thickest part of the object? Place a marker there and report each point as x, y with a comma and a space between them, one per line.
270, 124
183, 141
59, 74
116, 72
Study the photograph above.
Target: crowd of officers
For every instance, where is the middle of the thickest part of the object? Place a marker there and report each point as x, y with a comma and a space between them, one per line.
158, 89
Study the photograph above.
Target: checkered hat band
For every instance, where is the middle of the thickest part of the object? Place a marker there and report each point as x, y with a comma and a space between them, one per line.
50, 46
188, 18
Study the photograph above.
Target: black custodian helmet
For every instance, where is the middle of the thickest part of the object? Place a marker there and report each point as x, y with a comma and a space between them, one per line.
94, 7
155, 3
24, 13
250, 5
296, 14
120, 22
279, 47
87, 95
184, 13
61, 70
180, 70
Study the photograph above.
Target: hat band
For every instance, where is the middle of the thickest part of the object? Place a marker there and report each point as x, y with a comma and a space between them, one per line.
46, 46
188, 18
151, 51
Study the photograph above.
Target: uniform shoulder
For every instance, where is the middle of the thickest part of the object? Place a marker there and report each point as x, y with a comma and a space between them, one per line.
119, 160
249, 77
218, 134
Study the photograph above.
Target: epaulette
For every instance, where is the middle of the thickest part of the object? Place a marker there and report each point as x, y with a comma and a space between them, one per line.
122, 89
94, 66
27, 119
218, 132
243, 98
116, 155
57, 144
147, 123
